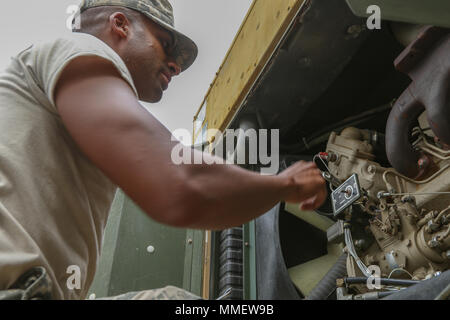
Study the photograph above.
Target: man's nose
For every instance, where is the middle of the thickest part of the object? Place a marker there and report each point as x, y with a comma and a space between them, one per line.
174, 68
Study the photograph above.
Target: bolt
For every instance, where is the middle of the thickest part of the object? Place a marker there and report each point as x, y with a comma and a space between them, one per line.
359, 243
409, 199
332, 157
371, 169
246, 244
150, 249
433, 243
190, 241
432, 227
382, 194
446, 254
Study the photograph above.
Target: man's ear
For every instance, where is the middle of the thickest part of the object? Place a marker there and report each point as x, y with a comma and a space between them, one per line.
120, 25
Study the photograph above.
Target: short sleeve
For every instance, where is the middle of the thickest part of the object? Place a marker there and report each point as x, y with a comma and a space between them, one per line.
50, 60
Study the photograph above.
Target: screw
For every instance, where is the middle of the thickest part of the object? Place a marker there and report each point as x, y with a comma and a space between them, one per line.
371, 169
190, 241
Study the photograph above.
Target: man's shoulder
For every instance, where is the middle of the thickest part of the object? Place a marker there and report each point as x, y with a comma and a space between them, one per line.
75, 42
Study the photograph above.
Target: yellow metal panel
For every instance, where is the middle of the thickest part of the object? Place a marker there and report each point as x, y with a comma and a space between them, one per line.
263, 28
206, 265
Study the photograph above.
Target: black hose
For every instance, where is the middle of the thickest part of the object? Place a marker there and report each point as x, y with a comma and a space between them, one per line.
352, 121
383, 281
383, 294
327, 285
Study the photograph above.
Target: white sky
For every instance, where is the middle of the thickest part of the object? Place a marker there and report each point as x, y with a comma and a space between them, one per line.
212, 24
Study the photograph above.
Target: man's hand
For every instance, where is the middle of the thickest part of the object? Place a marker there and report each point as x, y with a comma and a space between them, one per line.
308, 186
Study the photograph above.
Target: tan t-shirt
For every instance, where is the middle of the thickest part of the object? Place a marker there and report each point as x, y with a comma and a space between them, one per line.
53, 201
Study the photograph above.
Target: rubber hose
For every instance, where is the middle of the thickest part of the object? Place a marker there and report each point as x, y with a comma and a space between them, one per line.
383, 281
327, 285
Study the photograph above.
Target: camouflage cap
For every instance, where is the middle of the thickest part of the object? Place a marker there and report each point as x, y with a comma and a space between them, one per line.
161, 12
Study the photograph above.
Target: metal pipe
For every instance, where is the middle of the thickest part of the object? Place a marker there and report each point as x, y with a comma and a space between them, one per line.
401, 154
427, 63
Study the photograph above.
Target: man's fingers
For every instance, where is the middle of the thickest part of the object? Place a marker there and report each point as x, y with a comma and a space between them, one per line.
308, 204
320, 199
314, 202
311, 190
306, 165
312, 184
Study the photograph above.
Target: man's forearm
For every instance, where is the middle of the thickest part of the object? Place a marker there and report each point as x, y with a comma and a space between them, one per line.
231, 196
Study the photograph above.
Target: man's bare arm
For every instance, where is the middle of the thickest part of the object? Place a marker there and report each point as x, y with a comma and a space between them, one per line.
133, 149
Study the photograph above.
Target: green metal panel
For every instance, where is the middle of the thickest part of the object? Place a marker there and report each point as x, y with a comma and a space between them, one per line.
127, 263
193, 262
100, 286
433, 12
249, 253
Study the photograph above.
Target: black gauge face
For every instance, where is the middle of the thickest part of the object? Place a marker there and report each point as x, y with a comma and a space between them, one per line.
346, 194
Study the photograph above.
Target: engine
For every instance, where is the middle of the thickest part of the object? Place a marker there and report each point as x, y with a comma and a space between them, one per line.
404, 223
391, 190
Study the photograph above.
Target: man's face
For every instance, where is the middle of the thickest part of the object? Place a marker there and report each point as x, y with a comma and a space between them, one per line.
149, 59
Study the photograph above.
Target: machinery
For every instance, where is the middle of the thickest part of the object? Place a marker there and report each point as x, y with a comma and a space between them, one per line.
371, 106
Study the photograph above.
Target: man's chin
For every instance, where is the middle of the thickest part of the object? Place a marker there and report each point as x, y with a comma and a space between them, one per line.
154, 98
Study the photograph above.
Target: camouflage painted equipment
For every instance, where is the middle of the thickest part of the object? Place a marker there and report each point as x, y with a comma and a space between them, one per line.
160, 12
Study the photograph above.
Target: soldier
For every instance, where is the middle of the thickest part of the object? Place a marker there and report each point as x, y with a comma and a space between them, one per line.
73, 131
